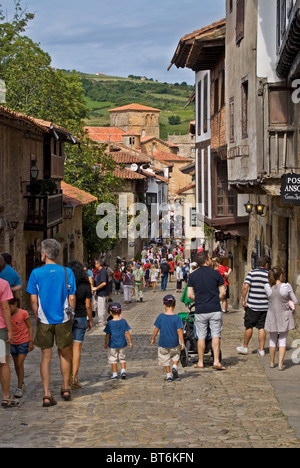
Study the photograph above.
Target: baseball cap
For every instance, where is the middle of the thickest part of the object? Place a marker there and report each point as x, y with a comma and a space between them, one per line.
169, 300
115, 307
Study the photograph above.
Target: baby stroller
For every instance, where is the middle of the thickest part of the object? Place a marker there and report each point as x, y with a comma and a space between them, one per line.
190, 338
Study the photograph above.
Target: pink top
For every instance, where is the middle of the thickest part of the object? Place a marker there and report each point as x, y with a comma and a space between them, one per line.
5, 295
20, 329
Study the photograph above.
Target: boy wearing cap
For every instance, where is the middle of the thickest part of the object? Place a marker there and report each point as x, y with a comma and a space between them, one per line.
117, 334
171, 340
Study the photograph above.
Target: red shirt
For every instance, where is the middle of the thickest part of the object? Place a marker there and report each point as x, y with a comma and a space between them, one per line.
20, 329
223, 269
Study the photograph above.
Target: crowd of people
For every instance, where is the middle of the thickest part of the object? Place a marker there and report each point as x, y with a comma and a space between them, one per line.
67, 301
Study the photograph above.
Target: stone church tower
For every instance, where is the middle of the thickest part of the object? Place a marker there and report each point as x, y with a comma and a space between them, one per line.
139, 119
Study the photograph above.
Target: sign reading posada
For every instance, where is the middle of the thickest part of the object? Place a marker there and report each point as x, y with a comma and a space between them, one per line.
290, 189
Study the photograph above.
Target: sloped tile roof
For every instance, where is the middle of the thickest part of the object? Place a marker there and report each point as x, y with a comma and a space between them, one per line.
134, 107
76, 196
44, 125
128, 174
127, 158
170, 157
102, 134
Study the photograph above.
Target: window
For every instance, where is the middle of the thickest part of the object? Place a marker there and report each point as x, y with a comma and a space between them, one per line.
283, 10
231, 110
151, 198
240, 20
205, 103
199, 107
223, 89
226, 199
245, 108
216, 96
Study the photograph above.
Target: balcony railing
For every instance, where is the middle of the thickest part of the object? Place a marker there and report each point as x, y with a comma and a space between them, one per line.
43, 212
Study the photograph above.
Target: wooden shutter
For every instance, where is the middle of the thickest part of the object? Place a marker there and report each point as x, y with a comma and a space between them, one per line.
240, 20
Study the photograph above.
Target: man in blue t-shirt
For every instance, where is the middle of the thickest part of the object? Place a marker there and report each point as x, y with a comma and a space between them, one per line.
10, 275
52, 289
206, 287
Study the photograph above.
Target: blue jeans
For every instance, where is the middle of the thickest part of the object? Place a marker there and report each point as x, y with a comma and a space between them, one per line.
164, 282
79, 328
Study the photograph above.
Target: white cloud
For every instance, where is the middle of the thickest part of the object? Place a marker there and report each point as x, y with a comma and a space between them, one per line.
119, 37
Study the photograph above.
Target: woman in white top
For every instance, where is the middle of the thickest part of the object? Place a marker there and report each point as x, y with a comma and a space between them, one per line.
280, 317
154, 275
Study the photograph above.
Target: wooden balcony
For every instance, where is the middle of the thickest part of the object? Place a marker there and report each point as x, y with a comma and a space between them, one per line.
43, 212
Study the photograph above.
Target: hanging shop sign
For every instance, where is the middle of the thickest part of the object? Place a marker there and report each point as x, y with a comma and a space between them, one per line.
290, 189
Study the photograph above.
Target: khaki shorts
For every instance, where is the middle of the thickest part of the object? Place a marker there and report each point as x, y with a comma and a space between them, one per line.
45, 334
116, 355
166, 356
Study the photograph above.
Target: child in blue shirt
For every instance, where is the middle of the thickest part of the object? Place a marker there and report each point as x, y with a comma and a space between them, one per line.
117, 331
171, 340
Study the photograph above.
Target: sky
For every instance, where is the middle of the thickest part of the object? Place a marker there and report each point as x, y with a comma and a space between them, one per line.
119, 37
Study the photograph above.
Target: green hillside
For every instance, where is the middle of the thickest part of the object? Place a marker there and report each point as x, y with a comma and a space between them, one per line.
106, 92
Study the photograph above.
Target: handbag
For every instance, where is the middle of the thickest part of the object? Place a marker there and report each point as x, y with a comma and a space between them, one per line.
69, 309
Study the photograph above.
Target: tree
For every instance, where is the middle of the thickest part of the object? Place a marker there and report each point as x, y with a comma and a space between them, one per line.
35, 89
174, 120
10, 30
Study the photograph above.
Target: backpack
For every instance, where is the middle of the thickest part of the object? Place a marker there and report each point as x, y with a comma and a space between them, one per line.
138, 276
165, 268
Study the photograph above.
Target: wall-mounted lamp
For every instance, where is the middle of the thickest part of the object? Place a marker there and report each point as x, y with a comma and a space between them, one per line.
249, 207
34, 171
69, 209
259, 209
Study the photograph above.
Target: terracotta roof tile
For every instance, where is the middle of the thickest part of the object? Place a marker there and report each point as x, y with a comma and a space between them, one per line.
128, 174
186, 189
134, 107
127, 158
44, 125
170, 157
76, 196
103, 134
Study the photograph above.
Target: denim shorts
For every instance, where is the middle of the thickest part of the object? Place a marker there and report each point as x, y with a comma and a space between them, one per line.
79, 328
15, 350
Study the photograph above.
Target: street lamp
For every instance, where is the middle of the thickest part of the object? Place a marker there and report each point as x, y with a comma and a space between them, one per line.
249, 207
260, 209
34, 171
69, 209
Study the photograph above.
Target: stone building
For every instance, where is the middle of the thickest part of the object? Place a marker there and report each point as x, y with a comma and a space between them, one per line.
263, 124
32, 197
137, 118
218, 206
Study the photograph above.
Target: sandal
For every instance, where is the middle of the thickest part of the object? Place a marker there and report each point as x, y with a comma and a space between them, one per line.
51, 401
219, 368
66, 394
9, 403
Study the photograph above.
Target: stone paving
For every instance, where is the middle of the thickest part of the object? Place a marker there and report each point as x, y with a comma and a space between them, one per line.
239, 408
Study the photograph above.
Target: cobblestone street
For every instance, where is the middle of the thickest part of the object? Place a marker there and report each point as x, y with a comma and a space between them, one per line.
249, 405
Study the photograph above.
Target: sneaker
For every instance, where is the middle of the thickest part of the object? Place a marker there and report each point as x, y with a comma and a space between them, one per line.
261, 353
114, 377
18, 393
123, 375
175, 374
242, 350
169, 379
